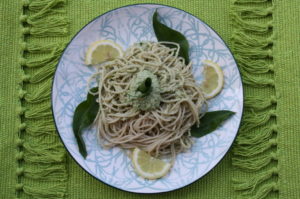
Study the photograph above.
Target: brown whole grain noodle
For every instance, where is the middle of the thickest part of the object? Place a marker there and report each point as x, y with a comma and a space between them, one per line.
164, 130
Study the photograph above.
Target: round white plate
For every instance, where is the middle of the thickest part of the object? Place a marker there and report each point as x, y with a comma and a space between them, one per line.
125, 26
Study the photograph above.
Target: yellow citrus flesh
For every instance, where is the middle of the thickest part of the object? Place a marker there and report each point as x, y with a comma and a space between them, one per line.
101, 51
213, 79
147, 166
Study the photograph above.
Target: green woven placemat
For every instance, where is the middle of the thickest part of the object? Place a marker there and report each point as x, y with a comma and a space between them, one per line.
263, 162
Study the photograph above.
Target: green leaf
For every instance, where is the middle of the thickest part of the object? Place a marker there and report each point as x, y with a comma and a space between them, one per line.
145, 87
210, 122
164, 33
84, 115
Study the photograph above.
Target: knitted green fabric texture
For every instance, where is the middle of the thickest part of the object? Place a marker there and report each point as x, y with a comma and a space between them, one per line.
264, 38
287, 78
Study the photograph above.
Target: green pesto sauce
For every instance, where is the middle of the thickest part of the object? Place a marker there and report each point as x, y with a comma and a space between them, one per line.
137, 99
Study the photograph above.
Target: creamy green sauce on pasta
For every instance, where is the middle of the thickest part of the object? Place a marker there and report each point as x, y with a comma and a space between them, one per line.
137, 99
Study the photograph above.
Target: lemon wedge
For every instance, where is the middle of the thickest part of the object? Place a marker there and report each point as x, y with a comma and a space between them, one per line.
101, 51
147, 166
213, 79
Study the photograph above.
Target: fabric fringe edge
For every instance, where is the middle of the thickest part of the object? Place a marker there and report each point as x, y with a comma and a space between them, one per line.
255, 149
41, 158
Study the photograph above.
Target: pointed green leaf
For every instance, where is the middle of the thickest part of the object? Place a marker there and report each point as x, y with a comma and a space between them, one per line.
210, 122
84, 115
164, 33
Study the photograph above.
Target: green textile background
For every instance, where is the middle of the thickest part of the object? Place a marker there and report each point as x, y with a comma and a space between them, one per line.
23, 175
287, 59
8, 95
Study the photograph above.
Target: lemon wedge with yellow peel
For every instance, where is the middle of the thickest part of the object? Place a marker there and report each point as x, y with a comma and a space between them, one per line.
147, 166
213, 79
101, 51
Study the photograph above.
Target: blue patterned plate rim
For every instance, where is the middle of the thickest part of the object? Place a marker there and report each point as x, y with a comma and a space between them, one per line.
61, 138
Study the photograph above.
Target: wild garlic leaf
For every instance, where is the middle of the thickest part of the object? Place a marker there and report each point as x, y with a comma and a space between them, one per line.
210, 122
164, 33
84, 115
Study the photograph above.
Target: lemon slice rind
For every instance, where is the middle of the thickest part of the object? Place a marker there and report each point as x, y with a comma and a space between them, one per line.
110, 45
208, 94
162, 168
